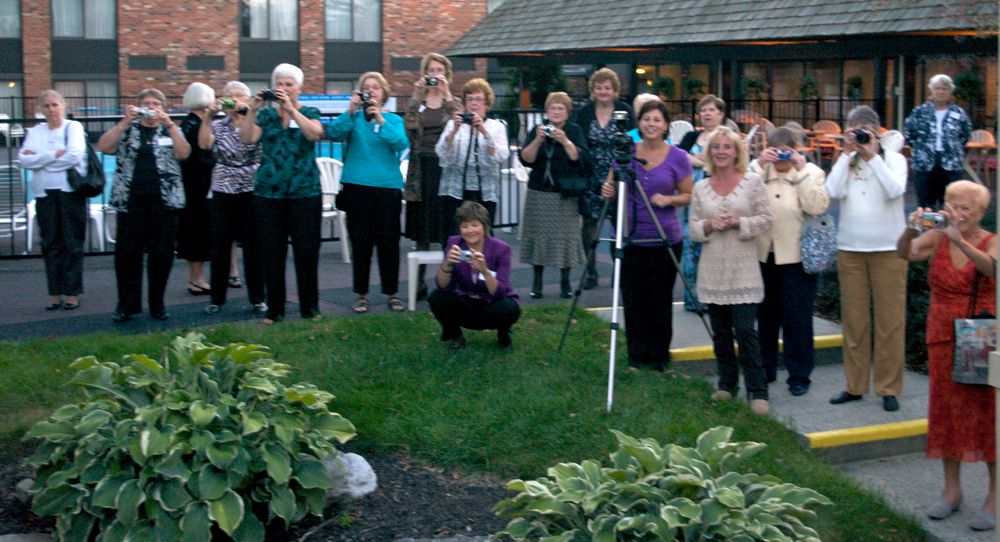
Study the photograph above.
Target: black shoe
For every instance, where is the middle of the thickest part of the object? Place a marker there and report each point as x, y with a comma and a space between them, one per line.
590, 282
890, 404
422, 292
119, 317
503, 338
457, 343
71, 306
566, 294
54, 306
212, 309
845, 397
161, 315
535, 295
798, 389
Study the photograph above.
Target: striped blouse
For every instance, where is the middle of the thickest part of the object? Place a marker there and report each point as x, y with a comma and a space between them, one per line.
235, 163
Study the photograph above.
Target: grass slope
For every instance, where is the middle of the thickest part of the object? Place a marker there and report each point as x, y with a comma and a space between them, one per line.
480, 410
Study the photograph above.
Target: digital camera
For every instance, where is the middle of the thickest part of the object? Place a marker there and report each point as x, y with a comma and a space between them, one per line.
431, 81
466, 118
147, 113
366, 102
268, 95
931, 221
549, 129
861, 136
465, 256
227, 103
783, 156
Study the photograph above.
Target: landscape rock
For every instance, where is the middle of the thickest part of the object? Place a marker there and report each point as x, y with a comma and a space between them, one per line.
22, 491
352, 476
25, 537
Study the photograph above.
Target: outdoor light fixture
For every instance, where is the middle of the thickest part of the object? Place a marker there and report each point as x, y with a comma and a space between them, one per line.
640, 71
11, 84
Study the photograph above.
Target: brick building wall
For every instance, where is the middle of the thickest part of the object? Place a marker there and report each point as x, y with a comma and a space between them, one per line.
36, 21
312, 20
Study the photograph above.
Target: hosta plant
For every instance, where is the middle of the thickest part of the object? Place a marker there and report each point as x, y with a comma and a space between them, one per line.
651, 492
207, 441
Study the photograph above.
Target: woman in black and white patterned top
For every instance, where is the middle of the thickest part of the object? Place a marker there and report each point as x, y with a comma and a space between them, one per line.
236, 164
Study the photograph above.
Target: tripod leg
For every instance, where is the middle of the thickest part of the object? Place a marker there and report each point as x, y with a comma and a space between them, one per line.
591, 254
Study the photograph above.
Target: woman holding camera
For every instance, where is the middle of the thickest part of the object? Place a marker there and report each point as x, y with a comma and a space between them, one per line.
474, 289
870, 182
728, 211
648, 269
194, 225
372, 184
937, 132
795, 190
49, 151
429, 110
550, 230
287, 197
960, 418
232, 203
147, 194
594, 118
471, 150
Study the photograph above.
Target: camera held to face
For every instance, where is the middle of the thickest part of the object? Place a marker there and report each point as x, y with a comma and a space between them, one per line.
431, 81
147, 113
466, 117
861, 136
268, 95
783, 155
465, 256
366, 102
549, 129
930, 221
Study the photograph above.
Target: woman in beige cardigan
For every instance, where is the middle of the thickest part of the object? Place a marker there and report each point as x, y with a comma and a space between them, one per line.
795, 190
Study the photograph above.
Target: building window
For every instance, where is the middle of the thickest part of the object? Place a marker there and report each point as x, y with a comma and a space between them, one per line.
354, 20
91, 98
340, 87
275, 20
90, 19
10, 19
10, 100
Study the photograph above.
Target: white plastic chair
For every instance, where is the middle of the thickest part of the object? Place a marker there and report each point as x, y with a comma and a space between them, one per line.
892, 140
679, 129
13, 215
95, 217
329, 179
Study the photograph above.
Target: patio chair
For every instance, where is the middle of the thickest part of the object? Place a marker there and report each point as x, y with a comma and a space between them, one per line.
13, 213
329, 179
826, 126
678, 129
892, 140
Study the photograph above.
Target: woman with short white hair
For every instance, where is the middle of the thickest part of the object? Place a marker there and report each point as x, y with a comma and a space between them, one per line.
287, 196
194, 228
937, 132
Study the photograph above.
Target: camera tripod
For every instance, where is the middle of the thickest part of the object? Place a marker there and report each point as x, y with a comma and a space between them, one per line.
624, 176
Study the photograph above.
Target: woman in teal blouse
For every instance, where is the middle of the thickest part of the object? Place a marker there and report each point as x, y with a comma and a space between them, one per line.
287, 198
372, 186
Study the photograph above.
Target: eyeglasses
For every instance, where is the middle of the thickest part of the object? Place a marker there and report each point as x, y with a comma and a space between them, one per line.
475, 99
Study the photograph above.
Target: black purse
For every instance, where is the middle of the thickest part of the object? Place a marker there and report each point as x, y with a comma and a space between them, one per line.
91, 184
569, 187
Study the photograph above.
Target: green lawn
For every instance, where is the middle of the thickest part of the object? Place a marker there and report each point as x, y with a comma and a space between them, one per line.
480, 410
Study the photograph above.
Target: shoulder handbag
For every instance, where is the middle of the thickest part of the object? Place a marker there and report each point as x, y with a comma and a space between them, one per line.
569, 187
91, 184
975, 338
818, 241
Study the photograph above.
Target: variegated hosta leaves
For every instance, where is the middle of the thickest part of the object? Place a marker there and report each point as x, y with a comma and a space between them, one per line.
652, 492
165, 450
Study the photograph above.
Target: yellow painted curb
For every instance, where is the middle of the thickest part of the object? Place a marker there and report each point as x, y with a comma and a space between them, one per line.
867, 433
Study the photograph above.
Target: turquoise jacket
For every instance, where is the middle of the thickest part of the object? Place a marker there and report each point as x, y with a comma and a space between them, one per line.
372, 151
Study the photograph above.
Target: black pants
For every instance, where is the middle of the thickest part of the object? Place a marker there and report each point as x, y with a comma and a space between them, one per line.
454, 312
789, 293
62, 223
277, 220
233, 220
373, 223
727, 319
448, 207
588, 232
931, 184
648, 276
151, 228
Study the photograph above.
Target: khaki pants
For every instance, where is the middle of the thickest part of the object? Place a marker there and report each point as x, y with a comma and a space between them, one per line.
873, 283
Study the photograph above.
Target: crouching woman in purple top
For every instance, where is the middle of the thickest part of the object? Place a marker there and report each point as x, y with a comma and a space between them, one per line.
474, 288
648, 271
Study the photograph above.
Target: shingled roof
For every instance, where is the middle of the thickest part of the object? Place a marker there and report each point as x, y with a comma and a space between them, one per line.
539, 26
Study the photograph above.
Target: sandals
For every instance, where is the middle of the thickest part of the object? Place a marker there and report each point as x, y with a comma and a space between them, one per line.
194, 289
360, 305
235, 282
396, 304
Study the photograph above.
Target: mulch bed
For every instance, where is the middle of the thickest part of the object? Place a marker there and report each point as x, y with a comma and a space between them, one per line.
413, 500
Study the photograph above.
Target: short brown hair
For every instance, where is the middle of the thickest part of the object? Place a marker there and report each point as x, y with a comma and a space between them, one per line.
742, 157
471, 211
602, 75
436, 57
714, 100
783, 136
559, 98
479, 85
381, 82
154, 93
656, 104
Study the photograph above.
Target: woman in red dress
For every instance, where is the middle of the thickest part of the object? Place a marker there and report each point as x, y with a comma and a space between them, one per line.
961, 417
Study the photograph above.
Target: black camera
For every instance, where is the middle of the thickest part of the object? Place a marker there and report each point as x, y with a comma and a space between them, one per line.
861, 136
431, 81
268, 95
466, 118
621, 142
366, 102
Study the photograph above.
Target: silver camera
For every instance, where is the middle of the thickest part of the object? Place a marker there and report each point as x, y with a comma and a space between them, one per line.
147, 113
548, 129
465, 256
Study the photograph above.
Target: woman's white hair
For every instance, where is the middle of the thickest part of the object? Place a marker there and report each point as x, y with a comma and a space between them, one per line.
941, 79
236, 85
46, 94
287, 70
198, 96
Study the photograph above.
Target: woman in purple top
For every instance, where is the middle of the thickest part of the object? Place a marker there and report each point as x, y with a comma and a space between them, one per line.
474, 288
648, 273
